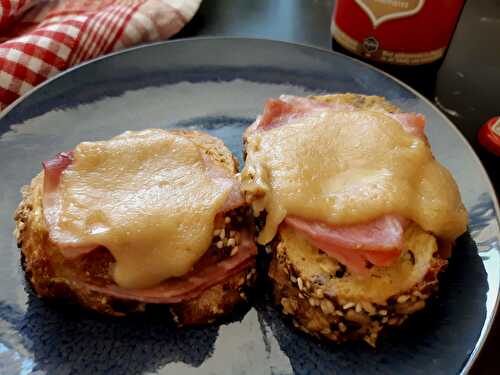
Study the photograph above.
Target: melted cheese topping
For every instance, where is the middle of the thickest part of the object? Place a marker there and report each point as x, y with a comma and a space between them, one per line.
147, 197
349, 167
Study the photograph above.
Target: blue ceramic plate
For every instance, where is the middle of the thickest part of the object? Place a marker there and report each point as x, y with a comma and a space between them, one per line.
220, 85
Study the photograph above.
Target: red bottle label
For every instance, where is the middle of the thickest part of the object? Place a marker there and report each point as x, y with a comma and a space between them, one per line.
405, 32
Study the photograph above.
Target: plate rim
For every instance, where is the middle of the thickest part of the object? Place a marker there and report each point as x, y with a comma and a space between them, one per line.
485, 331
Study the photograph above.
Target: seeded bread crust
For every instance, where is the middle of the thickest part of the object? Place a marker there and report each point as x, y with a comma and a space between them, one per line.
317, 307
49, 273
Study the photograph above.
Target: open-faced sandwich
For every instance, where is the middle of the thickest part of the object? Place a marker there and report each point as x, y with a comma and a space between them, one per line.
357, 213
148, 217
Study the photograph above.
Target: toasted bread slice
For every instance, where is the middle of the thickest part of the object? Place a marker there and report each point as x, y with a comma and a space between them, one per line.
50, 273
323, 299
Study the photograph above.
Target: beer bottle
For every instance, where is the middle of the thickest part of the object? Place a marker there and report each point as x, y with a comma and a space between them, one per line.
406, 38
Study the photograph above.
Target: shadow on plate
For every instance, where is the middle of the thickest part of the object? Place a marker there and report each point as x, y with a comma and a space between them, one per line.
67, 339
438, 340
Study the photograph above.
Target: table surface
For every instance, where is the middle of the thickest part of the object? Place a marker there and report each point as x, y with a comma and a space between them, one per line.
465, 87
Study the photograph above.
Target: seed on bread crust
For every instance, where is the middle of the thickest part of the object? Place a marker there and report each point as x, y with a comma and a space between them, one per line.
403, 298
348, 305
327, 307
300, 284
340, 320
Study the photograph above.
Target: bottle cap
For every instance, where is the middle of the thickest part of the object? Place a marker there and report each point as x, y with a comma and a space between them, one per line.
489, 135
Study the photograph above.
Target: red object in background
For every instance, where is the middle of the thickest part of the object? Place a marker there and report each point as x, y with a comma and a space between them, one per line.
403, 32
489, 135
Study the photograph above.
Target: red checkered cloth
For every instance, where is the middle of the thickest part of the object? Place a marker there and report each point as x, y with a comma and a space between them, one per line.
39, 38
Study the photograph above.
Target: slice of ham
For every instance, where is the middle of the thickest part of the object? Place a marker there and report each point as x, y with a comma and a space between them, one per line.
53, 169
190, 286
412, 123
235, 198
275, 112
279, 112
379, 241
382, 234
73, 247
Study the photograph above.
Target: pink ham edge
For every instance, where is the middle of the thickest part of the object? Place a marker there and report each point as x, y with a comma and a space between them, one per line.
412, 123
53, 169
382, 234
218, 174
51, 204
279, 112
379, 241
189, 286
52, 174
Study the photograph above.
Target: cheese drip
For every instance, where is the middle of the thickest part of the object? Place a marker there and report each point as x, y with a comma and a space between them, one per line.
147, 197
347, 167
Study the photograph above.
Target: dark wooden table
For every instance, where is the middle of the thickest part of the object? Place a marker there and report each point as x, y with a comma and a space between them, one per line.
465, 89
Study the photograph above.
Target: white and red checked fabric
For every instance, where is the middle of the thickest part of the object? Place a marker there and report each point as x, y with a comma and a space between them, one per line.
39, 38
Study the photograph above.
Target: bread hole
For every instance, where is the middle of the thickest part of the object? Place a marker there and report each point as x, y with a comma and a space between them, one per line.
340, 272
352, 326
409, 256
334, 326
122, 306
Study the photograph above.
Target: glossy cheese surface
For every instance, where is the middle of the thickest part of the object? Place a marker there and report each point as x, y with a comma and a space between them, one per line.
149, 197
348, 167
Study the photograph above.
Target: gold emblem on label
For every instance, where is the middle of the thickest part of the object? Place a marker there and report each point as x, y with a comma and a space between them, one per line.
380, 11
